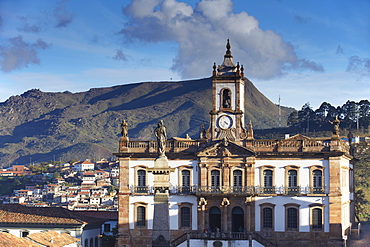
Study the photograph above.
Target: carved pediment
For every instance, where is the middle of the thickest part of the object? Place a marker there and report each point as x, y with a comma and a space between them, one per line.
224, 148
298, 137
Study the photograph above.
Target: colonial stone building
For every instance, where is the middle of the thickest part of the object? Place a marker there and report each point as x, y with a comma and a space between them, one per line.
227, 188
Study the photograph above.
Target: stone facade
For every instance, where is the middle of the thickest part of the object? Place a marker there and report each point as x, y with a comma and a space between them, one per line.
229, 186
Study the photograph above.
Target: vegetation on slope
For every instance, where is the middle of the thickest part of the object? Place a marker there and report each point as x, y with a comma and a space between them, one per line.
38, 126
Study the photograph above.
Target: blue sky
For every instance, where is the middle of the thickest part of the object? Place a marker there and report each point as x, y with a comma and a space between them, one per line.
303, 51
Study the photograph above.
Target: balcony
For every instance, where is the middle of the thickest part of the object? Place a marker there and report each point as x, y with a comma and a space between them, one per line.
260, 146
234, 190
225, 236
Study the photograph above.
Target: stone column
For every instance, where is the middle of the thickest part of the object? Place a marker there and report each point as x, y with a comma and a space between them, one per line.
224, 214
161, 236
124, 235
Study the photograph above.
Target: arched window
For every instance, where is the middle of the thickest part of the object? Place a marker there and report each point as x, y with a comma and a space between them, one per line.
214, 218
91, 242
86, 243
96, 242
237, 219
140, 216
226, 98
185, 217
316, 219
215, 178
237, 176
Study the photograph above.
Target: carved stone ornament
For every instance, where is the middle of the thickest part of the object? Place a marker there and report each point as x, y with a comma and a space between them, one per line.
202, 203
225, 202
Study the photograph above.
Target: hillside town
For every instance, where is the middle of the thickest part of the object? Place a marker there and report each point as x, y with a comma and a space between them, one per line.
83, 185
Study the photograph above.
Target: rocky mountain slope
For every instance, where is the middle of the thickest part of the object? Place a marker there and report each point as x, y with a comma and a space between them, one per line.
38, 126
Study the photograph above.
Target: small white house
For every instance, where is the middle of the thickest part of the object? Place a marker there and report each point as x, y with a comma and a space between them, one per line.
83, 166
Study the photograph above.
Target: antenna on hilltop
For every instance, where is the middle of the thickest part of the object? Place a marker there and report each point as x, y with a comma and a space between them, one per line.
279, 113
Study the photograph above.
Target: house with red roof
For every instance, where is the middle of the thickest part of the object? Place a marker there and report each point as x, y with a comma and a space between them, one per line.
24, 221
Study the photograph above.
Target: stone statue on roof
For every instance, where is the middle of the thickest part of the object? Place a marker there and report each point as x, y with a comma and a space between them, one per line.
124, 127
160, 133
335, 124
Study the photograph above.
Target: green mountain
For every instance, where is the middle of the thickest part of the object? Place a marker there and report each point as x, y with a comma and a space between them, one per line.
38, 126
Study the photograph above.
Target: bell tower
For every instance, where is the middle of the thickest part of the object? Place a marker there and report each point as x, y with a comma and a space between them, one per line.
227, 114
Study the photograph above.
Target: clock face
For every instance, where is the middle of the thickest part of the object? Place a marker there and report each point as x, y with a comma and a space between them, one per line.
225, 122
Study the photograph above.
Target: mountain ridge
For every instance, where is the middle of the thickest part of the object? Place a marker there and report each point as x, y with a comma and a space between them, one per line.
41, 126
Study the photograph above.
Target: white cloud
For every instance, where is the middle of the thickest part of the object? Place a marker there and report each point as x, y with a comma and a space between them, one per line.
359, 65
316, 89
202, 32
16, 53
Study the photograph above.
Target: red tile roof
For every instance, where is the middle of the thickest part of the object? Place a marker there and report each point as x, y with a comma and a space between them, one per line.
20, 214
7, 239
53, 238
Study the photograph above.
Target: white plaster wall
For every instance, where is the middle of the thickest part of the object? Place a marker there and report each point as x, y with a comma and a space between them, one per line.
149, 199
279, 171
304, 211
18, 231
174, 211
220, 86
142, 162
174, 176
91, 233
112, 223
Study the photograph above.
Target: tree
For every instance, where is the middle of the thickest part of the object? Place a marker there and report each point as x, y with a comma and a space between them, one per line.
362, 174
364, 111
293, 119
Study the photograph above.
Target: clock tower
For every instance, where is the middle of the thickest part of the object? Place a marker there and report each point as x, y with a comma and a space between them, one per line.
227, 114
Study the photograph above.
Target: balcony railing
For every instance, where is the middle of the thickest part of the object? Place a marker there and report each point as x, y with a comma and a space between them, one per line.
234, 190
191, 146
228, 236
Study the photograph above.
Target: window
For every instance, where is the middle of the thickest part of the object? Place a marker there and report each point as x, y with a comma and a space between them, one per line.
141, 178
96, 242
267, 218
185, 217
24, 234
185, 175
317, 179
316, 219
237, 175
140, 216
292, 218
106, 227
226, 98
215, 178
86, 243
91, 242
292, 178
237, 219
268, 182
